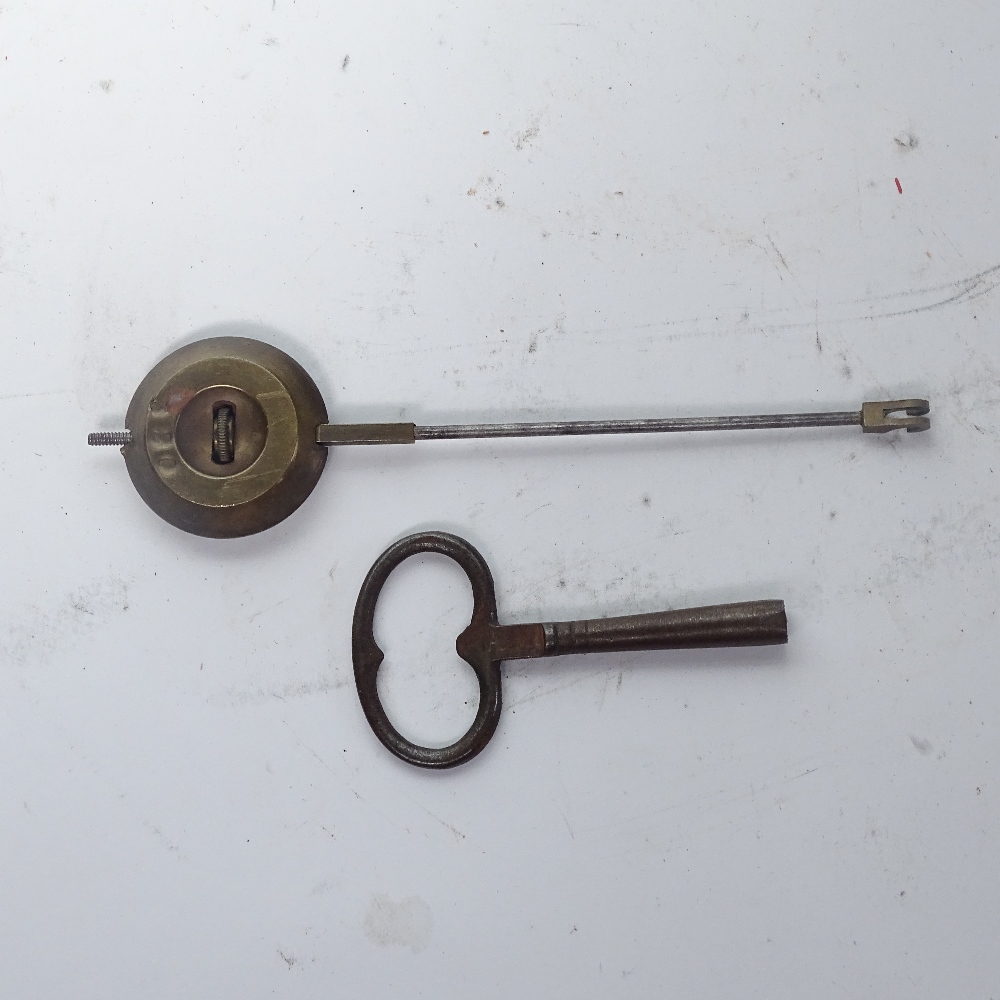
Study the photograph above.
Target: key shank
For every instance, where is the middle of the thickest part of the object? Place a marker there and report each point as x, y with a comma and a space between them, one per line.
750, 623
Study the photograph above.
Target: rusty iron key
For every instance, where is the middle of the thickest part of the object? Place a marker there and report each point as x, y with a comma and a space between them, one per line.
485, 644
228, 436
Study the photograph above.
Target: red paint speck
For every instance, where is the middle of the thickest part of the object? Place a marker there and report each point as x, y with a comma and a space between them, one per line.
899, 187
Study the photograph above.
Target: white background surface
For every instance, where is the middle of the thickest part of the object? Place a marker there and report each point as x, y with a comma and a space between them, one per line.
503, 211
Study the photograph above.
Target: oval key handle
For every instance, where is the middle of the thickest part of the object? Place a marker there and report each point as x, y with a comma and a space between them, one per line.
485, 644
368, 657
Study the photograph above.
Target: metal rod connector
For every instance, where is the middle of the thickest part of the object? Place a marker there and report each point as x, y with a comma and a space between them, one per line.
876, 418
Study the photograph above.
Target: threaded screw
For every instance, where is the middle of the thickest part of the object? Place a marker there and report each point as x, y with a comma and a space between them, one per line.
117, 439
223, 434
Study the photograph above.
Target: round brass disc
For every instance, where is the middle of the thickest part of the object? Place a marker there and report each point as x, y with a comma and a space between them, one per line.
275, 408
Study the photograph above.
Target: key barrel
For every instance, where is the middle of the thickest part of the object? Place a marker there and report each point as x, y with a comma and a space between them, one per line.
751, 623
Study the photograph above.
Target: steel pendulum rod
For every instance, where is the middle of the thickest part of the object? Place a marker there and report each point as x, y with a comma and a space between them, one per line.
873, 418
447, 432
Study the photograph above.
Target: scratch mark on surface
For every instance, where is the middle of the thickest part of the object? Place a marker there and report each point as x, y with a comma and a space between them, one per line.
271, 607
39, 633
568, 827
521, 139
536, 694
707, 802
238, 698
30, 395
458, 835
604, 691
781, 256
163, 838
963, 290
